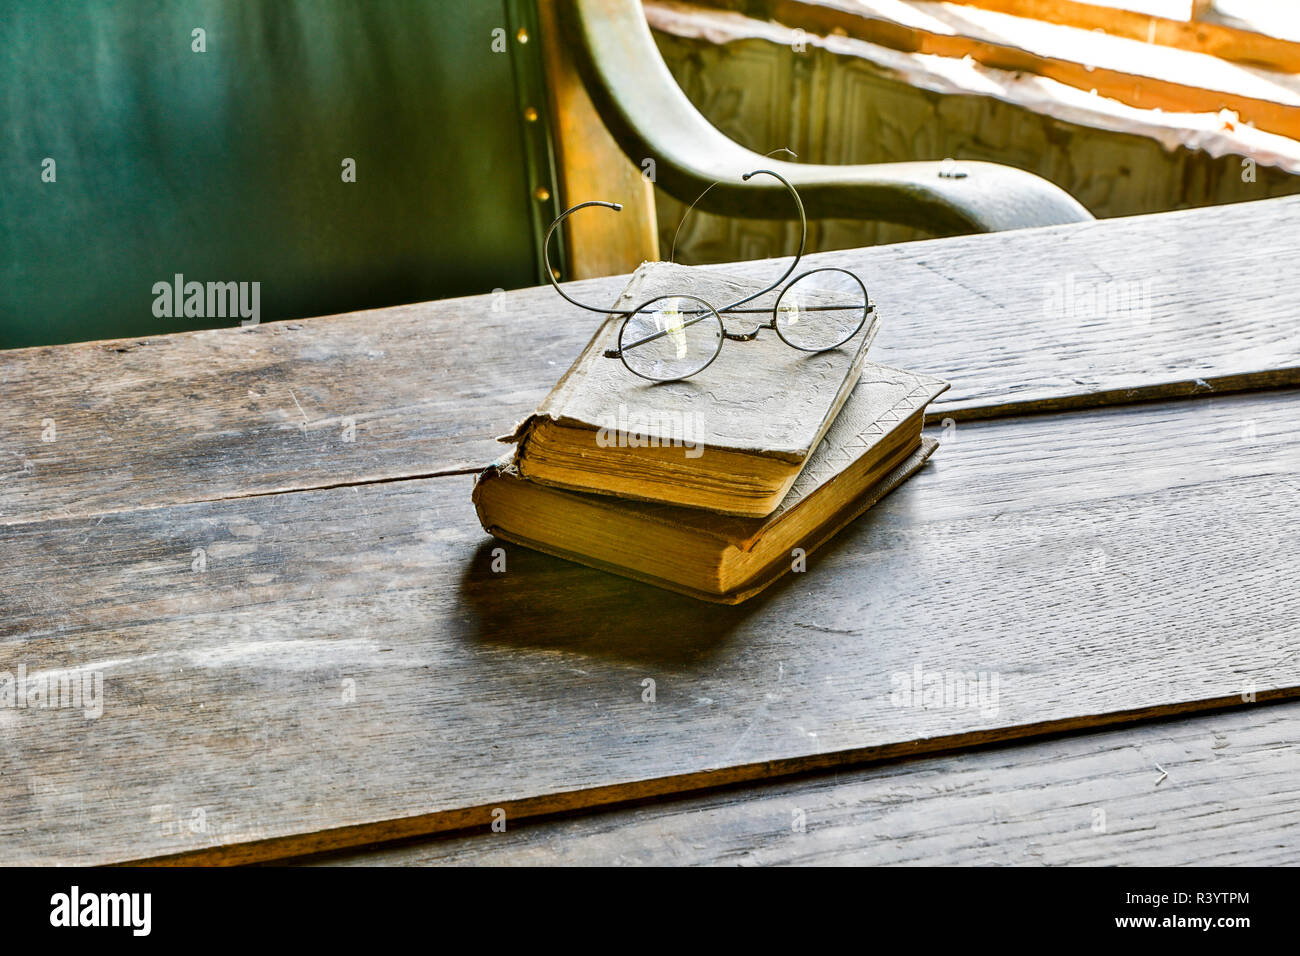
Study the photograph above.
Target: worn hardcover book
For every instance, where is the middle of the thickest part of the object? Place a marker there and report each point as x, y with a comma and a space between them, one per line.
874, 444
731, 439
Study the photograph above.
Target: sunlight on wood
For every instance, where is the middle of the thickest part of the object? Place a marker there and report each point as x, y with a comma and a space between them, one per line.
1259, 16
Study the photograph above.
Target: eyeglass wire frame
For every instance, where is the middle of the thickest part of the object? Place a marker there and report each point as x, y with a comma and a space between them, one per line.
707, 310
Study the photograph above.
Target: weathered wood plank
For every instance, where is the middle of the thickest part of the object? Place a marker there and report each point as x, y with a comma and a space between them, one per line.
1104, 565
424, 389
1210, 790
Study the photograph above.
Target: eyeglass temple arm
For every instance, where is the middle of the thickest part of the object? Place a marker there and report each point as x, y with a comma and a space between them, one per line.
617, 207
803, 237
546, 254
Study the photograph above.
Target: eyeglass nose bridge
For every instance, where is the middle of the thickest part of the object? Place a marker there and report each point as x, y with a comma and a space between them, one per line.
750, 335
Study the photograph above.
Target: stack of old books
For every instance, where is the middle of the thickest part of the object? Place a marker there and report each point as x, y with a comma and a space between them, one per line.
716, 485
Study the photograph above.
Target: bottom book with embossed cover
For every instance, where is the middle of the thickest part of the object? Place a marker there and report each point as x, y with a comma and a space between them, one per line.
874, 444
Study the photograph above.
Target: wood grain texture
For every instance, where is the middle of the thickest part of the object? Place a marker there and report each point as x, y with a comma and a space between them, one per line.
1210, 790
1004, 317
1105, 565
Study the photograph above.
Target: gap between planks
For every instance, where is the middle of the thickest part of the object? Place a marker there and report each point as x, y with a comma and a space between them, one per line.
521, 690
216, 414
1280, 380
685, 785
1213, 788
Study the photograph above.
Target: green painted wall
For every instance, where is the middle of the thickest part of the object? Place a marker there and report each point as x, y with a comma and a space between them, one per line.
225, 165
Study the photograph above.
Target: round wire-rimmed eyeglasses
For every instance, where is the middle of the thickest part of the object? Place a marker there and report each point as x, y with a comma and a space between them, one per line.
676, 335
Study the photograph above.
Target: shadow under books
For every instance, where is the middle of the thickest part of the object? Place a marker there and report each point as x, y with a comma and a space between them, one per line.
544, 602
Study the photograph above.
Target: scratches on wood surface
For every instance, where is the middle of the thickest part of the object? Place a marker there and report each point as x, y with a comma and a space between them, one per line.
1103, 565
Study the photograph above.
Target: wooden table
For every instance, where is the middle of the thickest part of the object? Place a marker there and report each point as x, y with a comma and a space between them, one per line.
262, 539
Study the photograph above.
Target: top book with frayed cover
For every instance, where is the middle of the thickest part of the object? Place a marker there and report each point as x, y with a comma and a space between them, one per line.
731, 439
